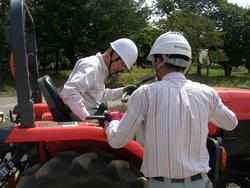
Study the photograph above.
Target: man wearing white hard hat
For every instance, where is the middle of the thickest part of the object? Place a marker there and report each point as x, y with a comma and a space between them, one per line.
85, 90
173, 114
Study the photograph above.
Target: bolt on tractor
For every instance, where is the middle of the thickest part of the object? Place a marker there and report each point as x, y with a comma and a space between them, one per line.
41, 146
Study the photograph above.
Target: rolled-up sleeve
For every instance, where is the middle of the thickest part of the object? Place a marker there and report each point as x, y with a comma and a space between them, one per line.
120, 133
76, 85
112, 94
221, 115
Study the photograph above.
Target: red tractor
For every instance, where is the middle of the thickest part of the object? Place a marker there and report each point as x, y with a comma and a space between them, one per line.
44, 135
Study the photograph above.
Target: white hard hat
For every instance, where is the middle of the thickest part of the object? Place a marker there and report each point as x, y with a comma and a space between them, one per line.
127, 50
172, 43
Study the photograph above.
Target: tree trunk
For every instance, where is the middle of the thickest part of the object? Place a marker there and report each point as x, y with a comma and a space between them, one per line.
4, 55
227, 70
72, 58
199, 70
57, 62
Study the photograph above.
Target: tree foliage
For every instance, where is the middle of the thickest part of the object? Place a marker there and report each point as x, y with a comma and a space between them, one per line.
200, 31
72, 29
224, 25
170, 8
69, 30
144, 39
230, 19
246, 40
4, 53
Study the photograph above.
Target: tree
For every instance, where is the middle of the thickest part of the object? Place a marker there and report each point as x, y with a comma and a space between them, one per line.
182, 8
231, 21
4, 67
200, 31
144, 39
109, 20
228, 19
246, 40
58, 28
73, 29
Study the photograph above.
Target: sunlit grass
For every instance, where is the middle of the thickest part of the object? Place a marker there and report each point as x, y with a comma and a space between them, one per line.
239, 78
129, 77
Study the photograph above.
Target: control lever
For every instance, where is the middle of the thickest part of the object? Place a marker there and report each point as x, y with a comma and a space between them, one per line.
101, 119
101, 109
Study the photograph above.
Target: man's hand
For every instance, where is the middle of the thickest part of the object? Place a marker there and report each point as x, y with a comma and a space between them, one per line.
129, 89
114, 115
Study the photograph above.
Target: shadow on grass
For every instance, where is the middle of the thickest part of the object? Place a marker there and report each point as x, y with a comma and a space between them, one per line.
7, 87
242, 81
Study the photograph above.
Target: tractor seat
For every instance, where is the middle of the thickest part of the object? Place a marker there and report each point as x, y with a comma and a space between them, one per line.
60, 111
214, 149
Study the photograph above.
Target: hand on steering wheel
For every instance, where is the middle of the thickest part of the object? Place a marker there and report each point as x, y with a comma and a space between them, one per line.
127, 91
132, 88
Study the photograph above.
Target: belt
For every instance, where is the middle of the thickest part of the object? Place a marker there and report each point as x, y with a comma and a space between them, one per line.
174, 180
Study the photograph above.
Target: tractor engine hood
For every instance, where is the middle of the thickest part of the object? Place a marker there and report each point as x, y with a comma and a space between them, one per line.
236, 100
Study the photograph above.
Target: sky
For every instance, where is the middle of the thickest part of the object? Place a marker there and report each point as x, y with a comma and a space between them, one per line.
243, 3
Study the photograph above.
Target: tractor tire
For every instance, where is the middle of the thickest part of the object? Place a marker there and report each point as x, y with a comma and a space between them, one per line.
95, 169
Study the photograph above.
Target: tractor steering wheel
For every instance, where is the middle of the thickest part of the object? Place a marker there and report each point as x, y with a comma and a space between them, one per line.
126, 95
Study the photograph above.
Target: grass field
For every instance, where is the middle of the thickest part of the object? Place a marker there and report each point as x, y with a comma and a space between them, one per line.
239, 78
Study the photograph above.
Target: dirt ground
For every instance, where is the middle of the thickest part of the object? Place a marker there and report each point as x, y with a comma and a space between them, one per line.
7, 103
232, 180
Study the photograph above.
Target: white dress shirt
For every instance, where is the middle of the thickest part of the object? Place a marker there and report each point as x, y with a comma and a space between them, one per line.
85, 88
173, 115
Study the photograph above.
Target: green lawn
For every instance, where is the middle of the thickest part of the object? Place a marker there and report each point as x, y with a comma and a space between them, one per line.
239, 78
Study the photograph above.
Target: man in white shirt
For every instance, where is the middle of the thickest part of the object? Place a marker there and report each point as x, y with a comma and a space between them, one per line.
173, 114
85, 90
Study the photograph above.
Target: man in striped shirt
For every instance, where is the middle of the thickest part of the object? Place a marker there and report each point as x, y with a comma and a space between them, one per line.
173, 114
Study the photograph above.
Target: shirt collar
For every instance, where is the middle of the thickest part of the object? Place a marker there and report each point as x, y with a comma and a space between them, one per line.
103, 65
174, 75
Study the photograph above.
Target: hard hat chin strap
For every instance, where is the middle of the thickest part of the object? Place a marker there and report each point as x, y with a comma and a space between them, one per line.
157, 67
112, 61
179, 62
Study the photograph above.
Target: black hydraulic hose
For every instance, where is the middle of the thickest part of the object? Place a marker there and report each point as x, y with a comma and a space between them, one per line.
145, 81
